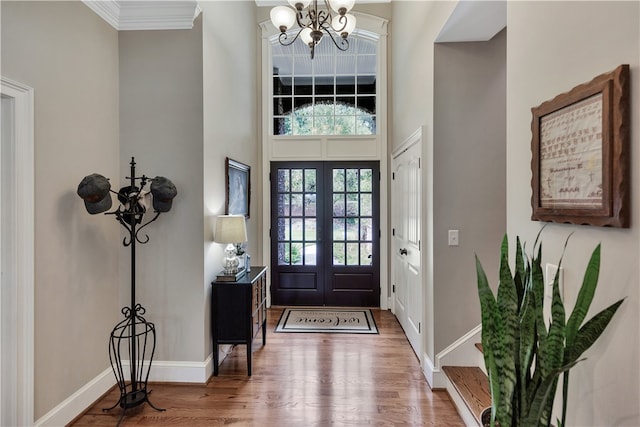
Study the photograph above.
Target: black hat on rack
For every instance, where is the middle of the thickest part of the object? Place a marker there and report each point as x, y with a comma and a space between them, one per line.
94, 190
163, 192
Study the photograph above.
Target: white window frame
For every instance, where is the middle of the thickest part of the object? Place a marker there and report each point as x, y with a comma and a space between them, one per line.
329, 147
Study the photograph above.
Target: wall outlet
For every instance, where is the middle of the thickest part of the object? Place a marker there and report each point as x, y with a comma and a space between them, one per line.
454, 237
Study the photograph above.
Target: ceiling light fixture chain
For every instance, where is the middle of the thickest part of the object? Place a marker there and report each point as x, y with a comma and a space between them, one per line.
315, 23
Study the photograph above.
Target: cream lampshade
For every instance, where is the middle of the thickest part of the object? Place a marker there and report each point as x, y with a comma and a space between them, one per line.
230, 229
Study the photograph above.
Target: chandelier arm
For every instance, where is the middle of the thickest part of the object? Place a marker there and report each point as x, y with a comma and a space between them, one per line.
322, 17
299, 18
282, 38
340, 19
343, 45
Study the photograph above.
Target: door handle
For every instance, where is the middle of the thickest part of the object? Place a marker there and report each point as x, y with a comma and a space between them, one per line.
403, 251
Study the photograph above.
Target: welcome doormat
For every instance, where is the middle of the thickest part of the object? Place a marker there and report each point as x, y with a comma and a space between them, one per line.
331, 320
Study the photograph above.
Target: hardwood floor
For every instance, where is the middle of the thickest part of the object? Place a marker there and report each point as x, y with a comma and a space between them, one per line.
300, 380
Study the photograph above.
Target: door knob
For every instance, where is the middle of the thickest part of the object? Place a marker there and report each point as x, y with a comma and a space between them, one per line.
403, 251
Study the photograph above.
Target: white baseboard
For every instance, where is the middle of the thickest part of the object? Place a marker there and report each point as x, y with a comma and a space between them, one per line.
435, 377
428, 369
161, 371
79, 401
182, 372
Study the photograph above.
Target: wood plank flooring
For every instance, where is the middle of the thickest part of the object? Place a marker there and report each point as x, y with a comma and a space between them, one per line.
300, 379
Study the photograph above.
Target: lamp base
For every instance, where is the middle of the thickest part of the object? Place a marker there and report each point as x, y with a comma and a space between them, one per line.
223, 276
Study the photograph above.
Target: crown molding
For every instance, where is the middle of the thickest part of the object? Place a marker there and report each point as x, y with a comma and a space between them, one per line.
146, 15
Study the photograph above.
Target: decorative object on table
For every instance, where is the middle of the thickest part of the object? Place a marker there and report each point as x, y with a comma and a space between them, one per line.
580, 149
238, 188
523, 358
333, 320
315, 22
232, 230
134, 338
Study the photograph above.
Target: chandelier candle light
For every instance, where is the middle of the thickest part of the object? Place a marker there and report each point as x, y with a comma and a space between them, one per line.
314, 23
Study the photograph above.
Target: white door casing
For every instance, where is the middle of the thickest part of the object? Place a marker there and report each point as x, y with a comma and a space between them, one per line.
17, 254
406, 205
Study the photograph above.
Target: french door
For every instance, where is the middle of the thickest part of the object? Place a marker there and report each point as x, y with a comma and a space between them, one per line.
325, 233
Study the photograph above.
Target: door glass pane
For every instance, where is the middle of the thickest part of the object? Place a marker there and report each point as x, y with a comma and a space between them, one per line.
338, 180
283, 254
310, 180
310, 254
296, 229
309, 230
310, 205
284, 205
352, 254
296, 205
366, 183
296, 253
352, 229
365, 229
283, 229
338, 229
352, 179
296, 180
365, 205
365, 253
283, 180
338, 254
338, 205
352, 205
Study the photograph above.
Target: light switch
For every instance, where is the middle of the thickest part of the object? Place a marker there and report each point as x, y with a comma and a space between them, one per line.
550, 274
454, 237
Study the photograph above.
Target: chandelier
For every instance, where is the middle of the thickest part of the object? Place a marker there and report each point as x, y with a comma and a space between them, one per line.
315, 23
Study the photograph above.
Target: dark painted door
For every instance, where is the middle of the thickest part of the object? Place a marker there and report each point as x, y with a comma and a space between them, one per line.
325, 233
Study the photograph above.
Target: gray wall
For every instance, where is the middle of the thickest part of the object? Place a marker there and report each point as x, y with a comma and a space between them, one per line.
231, 101
70, 57
457, 92
161, 125
605, 388
469, 176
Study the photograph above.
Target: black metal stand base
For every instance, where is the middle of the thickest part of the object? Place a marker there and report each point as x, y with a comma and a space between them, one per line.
131, 400
134, 338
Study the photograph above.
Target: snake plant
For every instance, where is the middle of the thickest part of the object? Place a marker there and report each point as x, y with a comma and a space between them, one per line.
523, 357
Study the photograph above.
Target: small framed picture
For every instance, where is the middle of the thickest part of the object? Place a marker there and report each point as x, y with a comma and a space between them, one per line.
580, 154
238, 185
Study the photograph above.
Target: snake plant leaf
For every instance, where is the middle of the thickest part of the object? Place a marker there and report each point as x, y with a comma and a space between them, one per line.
541, 398
507, 301
519, 276
527, 348
585, 296
490, 336
591, 331
537, 288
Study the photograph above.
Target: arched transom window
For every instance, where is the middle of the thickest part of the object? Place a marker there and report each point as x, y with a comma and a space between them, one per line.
332, 94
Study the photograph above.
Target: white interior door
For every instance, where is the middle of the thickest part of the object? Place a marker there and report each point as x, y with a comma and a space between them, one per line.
406, 202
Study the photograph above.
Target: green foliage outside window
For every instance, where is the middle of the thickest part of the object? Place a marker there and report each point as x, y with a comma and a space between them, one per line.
328, 119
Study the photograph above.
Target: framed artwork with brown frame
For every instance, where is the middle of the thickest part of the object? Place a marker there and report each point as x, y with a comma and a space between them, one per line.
238, 188
580, 154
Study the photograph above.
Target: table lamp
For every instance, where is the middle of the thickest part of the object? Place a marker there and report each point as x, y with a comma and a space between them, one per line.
230, 229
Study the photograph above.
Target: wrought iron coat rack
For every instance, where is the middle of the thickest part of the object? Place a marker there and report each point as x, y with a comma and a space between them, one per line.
132, 341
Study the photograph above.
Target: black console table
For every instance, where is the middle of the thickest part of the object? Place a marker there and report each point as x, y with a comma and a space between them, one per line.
239, 312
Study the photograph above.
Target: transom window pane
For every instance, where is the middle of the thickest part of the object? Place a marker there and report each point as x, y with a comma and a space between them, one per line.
333, 94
